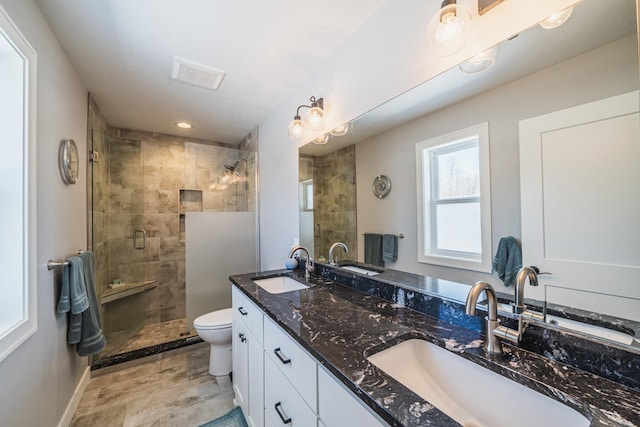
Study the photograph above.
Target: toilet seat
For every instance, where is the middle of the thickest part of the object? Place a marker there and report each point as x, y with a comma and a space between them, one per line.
220, 319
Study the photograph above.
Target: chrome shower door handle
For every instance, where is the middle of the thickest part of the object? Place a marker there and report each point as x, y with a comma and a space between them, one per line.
136, 233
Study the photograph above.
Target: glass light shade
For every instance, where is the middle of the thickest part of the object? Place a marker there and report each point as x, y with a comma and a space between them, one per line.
322, 139
315, 118
449, 29
340, 130
296, 128
480, 62
557, 19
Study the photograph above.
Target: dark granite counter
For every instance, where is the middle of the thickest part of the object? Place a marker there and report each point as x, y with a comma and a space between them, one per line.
340, 326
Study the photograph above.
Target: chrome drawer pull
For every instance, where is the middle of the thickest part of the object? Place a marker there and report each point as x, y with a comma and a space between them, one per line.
282, 417
282, 358
241, 310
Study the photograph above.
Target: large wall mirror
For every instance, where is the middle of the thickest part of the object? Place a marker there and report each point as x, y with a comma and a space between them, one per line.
593, 56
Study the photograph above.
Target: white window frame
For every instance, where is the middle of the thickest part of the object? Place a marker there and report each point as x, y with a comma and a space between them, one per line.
22, 260
306, 187
426, 200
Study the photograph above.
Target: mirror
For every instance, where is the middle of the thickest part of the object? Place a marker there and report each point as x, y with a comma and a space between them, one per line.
593, 56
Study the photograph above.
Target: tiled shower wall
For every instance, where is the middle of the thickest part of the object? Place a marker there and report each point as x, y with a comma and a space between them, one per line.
334, 179
148, 180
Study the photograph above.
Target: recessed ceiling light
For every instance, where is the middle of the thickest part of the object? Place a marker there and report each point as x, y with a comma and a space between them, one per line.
184, 125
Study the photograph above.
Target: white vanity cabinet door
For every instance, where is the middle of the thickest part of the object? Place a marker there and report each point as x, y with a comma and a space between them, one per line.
338, 407
283, 405
249, 313
248, 359
294, 362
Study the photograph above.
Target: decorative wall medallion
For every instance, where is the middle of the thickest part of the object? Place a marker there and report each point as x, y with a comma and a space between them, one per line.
381, 186
69, 161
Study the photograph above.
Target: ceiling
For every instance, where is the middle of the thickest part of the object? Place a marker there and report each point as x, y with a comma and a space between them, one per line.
122, 50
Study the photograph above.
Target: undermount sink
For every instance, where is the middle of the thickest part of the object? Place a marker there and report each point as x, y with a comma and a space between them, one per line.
586, 328
470, 394
361, 270
280, 284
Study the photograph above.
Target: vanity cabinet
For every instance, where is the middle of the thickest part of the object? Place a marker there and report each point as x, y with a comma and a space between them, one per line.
278, 383
248, 367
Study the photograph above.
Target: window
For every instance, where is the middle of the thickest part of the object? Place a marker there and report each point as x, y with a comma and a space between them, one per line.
17, 188
454, 205
306, 195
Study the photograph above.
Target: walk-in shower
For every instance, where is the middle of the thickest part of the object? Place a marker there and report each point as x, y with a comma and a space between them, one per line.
142, 185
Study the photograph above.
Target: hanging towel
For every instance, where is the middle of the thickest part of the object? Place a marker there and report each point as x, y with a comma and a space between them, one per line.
373, 249
508, 260
78, 292
389, 247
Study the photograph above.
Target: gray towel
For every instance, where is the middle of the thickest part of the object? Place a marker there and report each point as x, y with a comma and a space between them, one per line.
508, 260
373, 249
389, 248
85, 329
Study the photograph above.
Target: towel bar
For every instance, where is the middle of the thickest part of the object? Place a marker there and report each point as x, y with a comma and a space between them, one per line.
51, 265
399, 236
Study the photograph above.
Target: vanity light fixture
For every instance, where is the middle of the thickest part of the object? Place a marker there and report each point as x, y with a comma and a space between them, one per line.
184, 125
557, 19
341, 130
314, 119
322, 139
449, 29
480, 62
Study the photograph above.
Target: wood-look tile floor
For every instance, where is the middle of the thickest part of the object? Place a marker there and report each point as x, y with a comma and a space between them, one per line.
166, 390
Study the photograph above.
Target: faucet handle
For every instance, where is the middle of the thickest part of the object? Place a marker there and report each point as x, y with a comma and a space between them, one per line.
537, 270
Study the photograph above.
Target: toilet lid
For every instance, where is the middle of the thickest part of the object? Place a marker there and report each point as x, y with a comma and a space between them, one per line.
215, 320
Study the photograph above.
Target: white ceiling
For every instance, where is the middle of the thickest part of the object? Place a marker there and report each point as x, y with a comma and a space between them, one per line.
122, 51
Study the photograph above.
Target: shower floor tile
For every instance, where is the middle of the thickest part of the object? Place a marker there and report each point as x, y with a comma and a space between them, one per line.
152, 335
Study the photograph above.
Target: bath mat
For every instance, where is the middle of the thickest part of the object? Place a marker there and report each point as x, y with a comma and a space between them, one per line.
233, 418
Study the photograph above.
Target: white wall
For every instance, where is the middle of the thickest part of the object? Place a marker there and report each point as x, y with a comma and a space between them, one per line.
604, 72
38, 379
386, 57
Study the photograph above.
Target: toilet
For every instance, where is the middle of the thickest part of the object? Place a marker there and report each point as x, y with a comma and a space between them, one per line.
215, 329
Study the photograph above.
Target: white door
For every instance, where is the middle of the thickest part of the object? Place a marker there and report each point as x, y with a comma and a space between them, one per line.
580, 200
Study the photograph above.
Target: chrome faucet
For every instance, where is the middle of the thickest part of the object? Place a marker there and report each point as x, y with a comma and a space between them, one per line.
308, 268
332, 261
495, 332
521, 278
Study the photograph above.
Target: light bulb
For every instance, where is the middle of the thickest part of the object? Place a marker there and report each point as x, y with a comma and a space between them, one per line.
340, 130
449, 29
315, 118
557, 19
296, 128
322, 139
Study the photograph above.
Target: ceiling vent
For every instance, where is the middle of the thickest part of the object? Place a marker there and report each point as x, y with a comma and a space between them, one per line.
196, 74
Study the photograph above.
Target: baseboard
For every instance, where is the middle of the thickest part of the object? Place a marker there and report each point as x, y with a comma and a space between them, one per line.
65, 421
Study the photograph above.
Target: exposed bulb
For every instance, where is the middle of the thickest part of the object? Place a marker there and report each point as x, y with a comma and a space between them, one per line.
449, 29
557, 19
315, 118
296, 128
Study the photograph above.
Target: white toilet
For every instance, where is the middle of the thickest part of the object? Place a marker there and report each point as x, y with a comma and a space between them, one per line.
215, 328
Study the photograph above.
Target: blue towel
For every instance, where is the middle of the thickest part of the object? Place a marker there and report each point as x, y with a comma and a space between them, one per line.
389, 247
508, 260
85, 329
373, 249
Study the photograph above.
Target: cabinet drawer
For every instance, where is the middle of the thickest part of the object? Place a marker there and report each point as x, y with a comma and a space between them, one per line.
283, 406
248, 312
338, 407
294, 362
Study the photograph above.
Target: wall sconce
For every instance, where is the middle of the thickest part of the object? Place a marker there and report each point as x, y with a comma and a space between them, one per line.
313, 120
449, 29
480, 62
557, 19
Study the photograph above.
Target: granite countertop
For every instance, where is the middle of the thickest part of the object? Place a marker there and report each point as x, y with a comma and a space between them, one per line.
341, 326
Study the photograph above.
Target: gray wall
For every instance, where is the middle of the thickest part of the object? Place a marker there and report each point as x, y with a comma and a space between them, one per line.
38, 379
602, 73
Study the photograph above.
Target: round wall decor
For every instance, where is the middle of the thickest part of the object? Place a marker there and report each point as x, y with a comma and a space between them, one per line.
69, 161
381, 186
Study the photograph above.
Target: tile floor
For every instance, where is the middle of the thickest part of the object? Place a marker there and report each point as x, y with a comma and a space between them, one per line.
150, 335
165, 390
